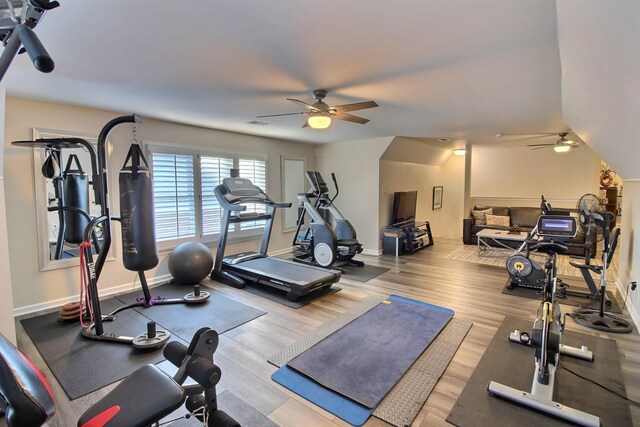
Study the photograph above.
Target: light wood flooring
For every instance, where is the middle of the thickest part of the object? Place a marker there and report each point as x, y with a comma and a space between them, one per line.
472, 290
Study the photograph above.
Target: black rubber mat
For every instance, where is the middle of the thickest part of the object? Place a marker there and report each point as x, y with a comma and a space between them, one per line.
512, 364
362, 274
82, 366
571, 300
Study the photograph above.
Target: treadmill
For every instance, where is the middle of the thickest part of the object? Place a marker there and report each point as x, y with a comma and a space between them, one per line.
256, 267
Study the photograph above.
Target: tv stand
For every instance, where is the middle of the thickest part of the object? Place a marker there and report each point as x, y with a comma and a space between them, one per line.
406, 238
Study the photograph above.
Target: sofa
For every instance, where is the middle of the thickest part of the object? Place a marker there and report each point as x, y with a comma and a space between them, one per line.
525, 218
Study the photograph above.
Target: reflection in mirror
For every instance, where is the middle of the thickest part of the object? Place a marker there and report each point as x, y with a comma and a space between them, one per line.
64, 174
292, 171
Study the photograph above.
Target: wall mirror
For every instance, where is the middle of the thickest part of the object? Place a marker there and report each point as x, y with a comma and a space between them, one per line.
292, 177
63, 177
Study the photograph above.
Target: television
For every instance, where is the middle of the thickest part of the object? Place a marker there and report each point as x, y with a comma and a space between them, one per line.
404, 207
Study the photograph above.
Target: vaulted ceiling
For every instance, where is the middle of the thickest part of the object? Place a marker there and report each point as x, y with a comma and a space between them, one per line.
459, 69
437, 68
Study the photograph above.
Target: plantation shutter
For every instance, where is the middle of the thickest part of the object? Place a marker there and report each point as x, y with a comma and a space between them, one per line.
174, 196
212, 171
256, 171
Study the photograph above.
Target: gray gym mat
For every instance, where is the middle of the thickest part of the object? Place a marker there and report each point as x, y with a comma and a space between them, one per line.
282, 357
401, 406
571, 300
82, 366
366, 358
280, 297
362, 274
183, 320
404, 401
512, 364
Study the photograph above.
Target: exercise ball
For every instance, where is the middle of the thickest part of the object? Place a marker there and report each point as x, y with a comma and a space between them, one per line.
190, 262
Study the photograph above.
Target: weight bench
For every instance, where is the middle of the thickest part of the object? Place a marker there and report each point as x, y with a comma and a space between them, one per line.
144, 397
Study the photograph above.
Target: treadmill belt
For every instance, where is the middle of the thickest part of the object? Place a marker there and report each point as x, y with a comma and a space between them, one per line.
288, 271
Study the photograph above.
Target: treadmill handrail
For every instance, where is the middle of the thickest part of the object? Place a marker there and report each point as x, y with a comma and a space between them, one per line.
236, 204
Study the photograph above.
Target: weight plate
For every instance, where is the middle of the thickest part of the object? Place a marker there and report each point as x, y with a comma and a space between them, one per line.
144, 342
191, 298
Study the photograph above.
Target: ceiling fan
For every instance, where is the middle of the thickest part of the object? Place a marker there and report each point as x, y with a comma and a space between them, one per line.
562, 145
320, 114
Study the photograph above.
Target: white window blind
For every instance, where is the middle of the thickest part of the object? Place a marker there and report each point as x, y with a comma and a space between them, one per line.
212, 171
184, 202
256, 171
174, 196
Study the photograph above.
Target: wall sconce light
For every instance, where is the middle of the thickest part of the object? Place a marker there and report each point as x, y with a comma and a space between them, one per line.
459, 151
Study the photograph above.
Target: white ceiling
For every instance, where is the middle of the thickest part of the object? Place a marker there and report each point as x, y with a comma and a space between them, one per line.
437, 68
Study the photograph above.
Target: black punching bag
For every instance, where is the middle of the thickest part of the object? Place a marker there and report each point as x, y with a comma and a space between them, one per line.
76, 195
139, 250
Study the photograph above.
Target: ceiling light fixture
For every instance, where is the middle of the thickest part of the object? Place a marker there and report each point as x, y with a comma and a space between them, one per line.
459, 151
444, 139
319, 120
561, 148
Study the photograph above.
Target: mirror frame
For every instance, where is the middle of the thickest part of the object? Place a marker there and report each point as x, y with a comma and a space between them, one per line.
41, 200
291, 183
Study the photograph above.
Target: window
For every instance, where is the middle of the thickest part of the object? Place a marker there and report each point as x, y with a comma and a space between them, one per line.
184, 203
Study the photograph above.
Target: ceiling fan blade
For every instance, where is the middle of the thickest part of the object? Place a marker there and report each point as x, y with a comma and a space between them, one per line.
304, 104
353, 107
306, 124
278, 115
500, 134
349, 118
540, 148
539, 145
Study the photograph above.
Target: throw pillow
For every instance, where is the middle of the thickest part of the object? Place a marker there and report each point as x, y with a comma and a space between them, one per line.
480, 216
499, 220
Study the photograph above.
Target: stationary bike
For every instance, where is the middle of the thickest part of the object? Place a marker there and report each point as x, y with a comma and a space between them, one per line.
546, 334
142, 399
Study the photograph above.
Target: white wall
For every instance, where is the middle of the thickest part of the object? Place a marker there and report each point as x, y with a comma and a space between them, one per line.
402, 176
7, 326
517, 176
356, 165
600, 85
33, 289
453, 210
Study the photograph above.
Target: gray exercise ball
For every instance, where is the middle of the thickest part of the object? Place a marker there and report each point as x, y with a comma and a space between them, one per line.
190, 262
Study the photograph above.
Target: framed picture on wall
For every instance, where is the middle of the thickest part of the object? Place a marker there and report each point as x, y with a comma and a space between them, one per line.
437, 197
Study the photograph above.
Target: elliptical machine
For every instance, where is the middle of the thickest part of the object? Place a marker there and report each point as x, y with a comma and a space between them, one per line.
546, 335
321, 244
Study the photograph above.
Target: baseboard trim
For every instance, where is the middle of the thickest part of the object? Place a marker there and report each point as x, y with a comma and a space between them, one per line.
106, 292
372, 252
281, 251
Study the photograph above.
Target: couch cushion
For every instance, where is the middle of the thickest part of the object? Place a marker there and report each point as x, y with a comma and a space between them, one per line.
525, 216
479, 215
500, 220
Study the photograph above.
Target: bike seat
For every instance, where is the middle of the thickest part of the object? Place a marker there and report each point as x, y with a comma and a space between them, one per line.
145, 396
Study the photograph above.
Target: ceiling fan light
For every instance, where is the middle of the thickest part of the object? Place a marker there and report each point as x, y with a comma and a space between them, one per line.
319, 121
561, 148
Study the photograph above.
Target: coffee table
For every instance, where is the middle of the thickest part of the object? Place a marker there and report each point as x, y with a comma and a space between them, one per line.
488, 236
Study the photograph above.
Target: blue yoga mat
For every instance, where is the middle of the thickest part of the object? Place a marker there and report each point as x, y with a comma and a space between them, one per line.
336, 403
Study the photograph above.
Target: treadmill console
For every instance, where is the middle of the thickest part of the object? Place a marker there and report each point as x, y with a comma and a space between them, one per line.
240, 187
559, 227
317, 183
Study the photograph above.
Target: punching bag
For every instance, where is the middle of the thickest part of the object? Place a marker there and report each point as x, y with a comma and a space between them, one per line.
139, 250
76, 195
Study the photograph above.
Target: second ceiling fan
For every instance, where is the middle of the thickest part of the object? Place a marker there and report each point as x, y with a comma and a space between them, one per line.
562, 144
320, 114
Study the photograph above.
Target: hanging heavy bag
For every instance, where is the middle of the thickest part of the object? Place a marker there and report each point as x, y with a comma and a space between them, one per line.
76, 195
139, 251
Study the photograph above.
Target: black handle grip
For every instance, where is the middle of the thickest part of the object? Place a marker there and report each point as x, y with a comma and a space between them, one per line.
36, 51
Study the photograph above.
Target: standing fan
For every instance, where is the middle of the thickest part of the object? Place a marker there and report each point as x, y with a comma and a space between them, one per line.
588, 204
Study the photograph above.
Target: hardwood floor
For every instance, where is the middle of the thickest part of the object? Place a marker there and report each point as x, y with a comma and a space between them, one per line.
472, 290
